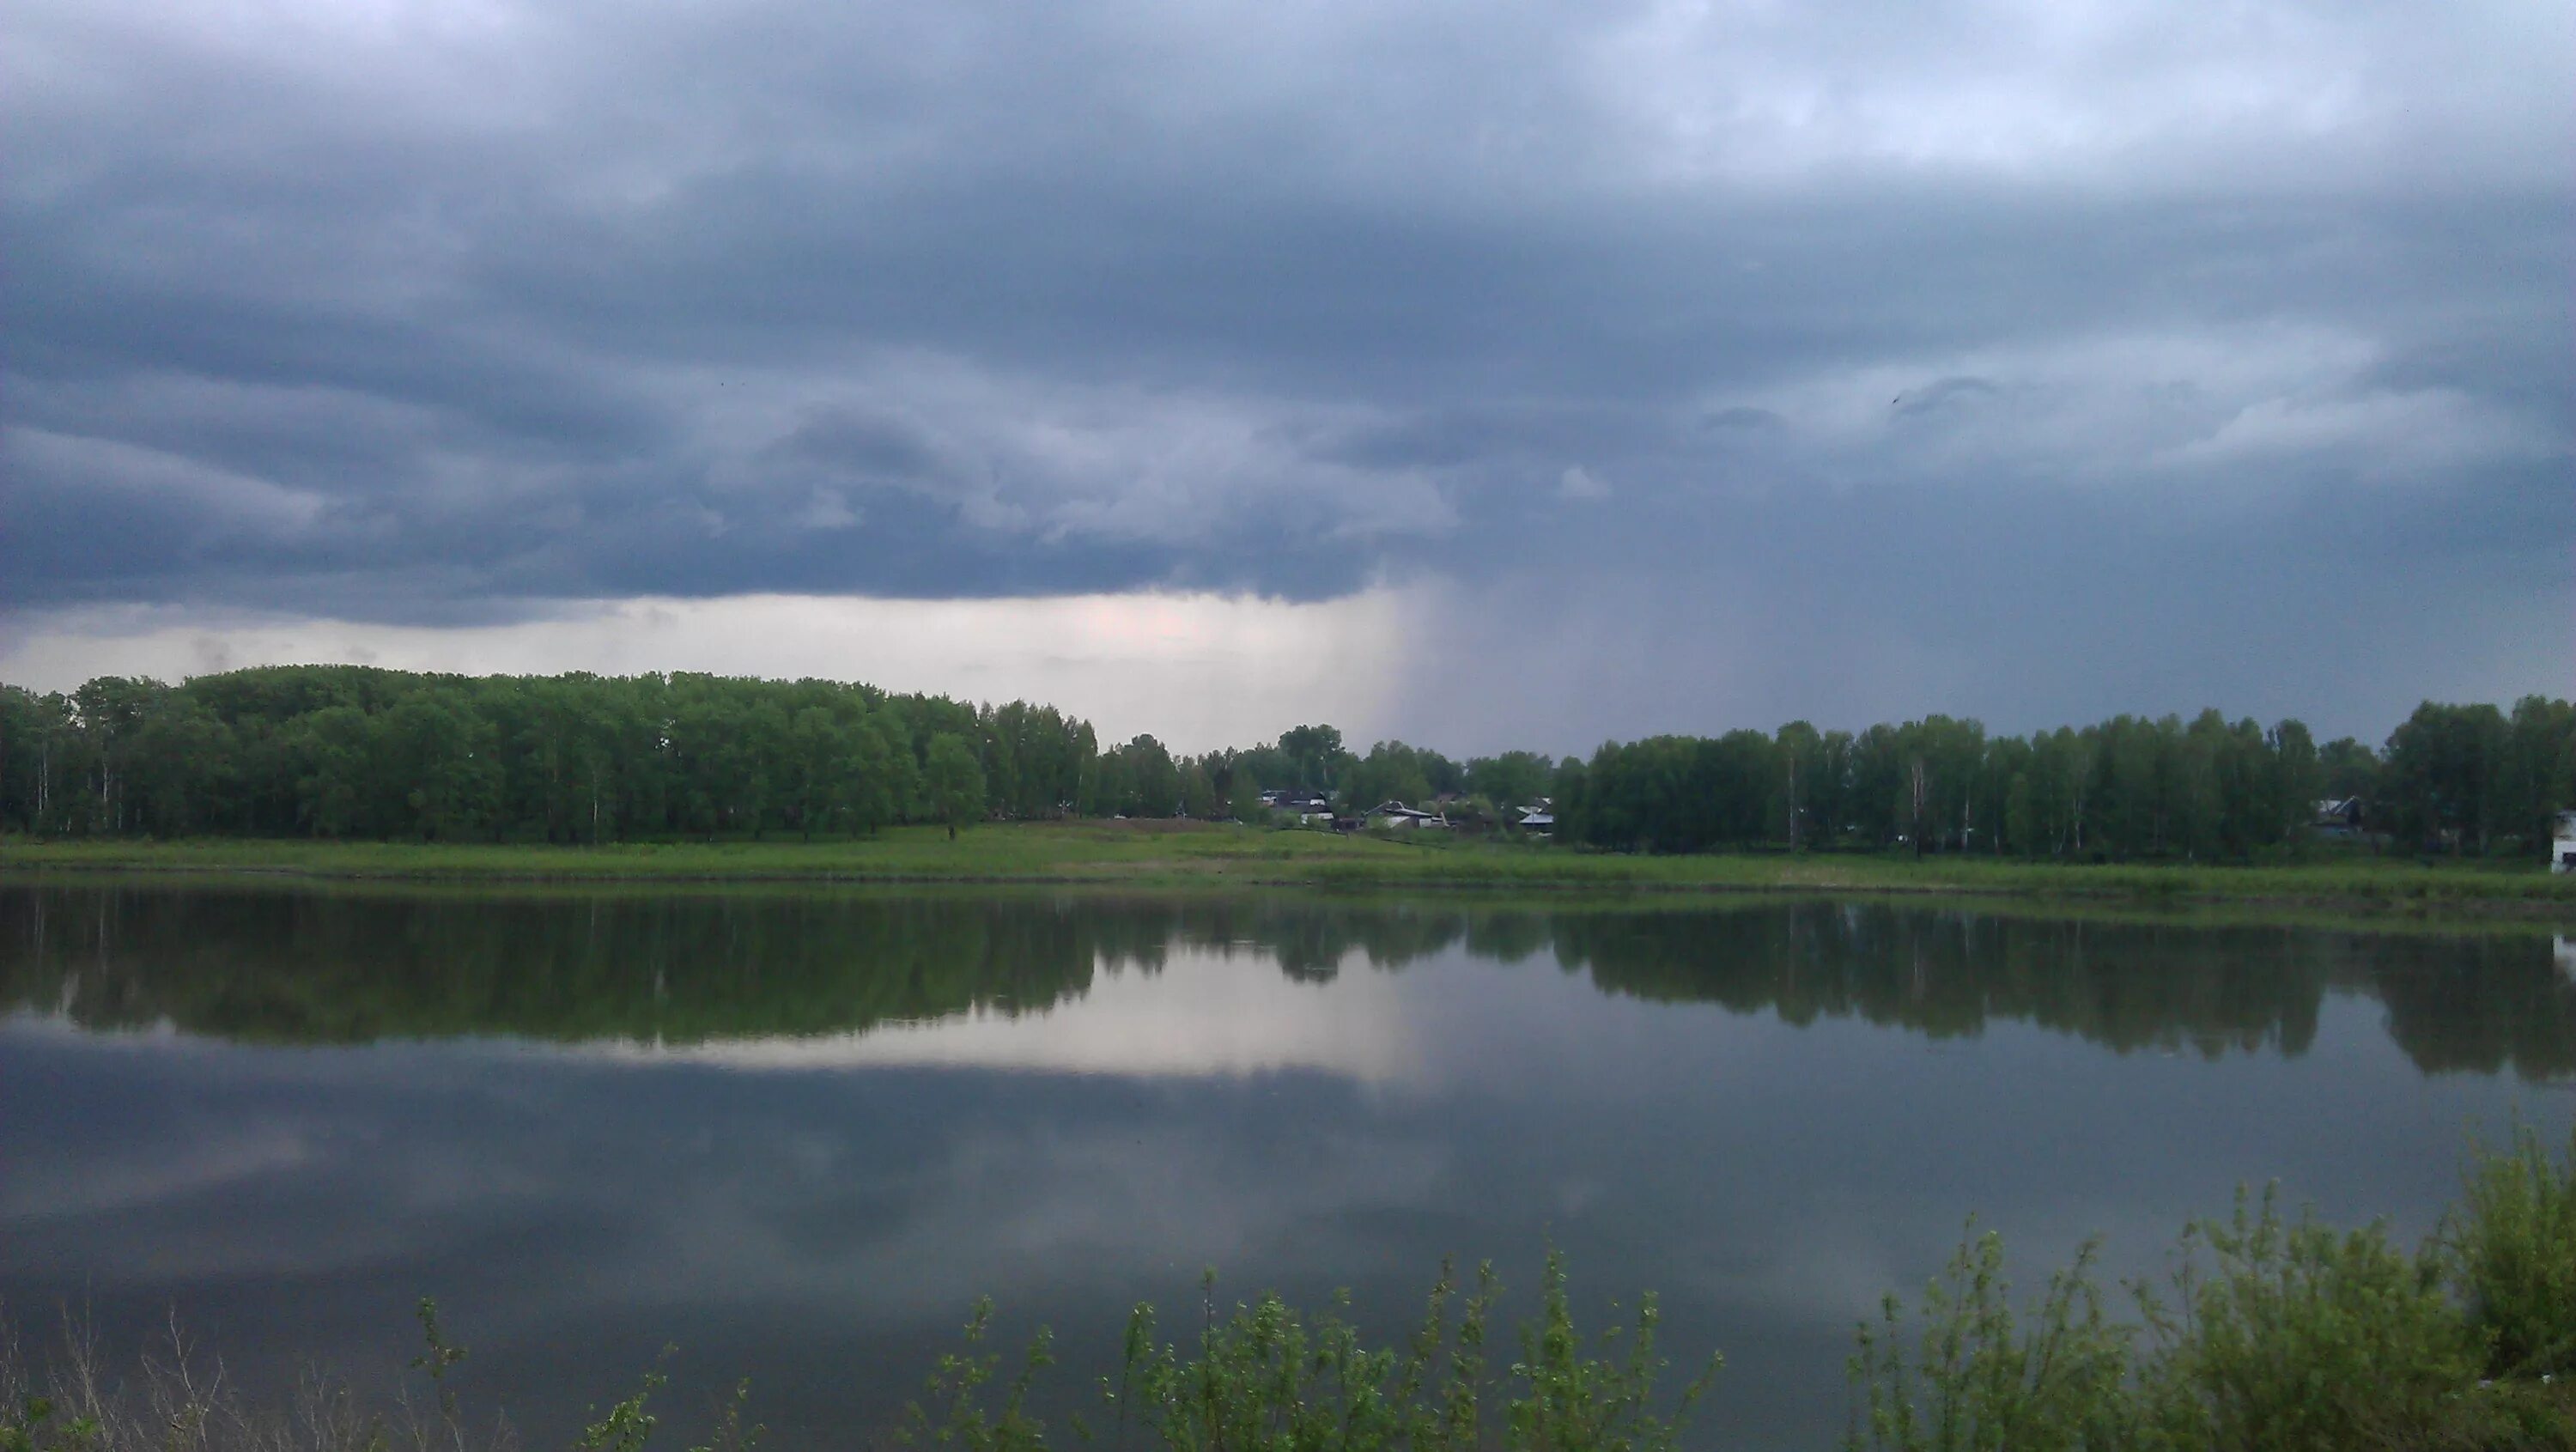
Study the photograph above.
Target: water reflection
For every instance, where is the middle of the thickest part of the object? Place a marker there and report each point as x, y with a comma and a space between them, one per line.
289, 1113
315, 968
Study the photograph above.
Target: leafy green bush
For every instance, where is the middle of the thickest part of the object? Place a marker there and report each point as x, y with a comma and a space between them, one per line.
1267, 1380
2295, 1336
1980, 1380
1571, 1402
2512, 1251
955, 1388
2274, 1335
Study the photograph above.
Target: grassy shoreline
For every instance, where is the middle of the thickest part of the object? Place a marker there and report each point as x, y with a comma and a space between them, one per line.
1172, 855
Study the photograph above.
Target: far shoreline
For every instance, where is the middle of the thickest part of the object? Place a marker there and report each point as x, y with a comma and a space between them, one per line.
1226, 855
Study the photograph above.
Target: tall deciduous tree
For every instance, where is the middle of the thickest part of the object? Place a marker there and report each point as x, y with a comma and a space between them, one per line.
953, 781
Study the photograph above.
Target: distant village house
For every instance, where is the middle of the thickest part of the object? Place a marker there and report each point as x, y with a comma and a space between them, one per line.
1398, 816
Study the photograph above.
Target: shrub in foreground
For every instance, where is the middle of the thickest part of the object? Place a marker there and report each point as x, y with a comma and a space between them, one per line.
1980, 1377
2289, 1334
2273, 1334
2511, 1248
1269, 1379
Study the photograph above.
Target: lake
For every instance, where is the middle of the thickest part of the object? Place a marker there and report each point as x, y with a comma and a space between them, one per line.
793, 1133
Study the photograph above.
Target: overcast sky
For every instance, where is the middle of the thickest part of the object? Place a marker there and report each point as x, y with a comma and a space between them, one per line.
1495, 374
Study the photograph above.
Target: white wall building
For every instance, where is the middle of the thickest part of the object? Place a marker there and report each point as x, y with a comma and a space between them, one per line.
2562, 847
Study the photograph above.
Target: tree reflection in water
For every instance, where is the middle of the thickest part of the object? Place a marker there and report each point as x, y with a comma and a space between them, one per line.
270, 965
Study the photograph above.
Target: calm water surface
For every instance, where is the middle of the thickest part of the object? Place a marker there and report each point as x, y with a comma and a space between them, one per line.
796, 1133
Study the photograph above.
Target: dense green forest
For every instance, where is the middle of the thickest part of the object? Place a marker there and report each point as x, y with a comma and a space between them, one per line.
357, 752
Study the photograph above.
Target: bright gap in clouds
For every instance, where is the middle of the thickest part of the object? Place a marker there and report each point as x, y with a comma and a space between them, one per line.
1196, 671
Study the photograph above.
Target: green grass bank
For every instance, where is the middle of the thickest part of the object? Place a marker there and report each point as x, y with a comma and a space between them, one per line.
1161, 854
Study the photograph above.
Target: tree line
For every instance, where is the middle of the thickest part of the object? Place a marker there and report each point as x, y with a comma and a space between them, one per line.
361, 752
357, 752
2466, 779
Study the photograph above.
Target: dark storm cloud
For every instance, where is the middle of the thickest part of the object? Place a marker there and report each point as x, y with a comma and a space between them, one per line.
428, 312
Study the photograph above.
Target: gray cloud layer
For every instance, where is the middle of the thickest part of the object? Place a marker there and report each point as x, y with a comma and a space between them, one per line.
2009, 334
